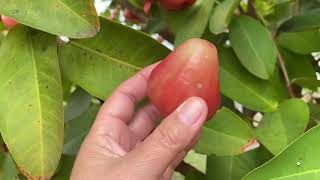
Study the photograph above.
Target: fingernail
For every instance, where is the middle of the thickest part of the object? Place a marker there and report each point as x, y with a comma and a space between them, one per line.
190, 111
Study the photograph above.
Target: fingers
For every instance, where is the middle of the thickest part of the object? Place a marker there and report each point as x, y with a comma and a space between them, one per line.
167, 175
171, 137
115, 130
144, 121
121, 103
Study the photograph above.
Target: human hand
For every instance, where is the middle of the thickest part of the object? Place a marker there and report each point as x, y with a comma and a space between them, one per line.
124, 145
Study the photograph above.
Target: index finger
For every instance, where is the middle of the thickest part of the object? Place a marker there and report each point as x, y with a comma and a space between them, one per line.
122, 101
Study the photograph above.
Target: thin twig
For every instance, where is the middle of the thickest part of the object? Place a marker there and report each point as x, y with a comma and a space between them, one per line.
279, 55
284, 71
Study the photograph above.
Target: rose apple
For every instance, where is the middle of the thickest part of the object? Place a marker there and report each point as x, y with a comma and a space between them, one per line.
190, 70
175, 4
8, 22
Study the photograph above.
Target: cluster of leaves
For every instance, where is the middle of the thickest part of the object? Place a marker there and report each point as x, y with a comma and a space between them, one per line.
51, 90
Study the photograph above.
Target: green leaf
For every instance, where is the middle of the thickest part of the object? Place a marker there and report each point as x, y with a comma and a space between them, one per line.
306, 6
77, 129
221, 16
307, 21
66, 87
196, 160
301, 70
65, 168
100, 64
225, 134
254, 46
235, 167
71, 18
304, 42
193, 174
31, 101
298, 161
314, 112
78, 103
241, 86
8, 169
279, 128
184, 21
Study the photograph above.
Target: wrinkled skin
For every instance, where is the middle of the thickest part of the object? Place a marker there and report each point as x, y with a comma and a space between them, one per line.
190, 70
8, 22
175, 4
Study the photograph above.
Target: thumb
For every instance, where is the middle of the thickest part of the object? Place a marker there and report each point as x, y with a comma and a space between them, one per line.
171, 137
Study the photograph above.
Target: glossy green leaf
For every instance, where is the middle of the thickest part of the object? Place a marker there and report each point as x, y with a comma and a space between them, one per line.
306, 6
100, 64
298, 161
64, 168
191, 22
235, 167
196, 160
314, 112
304, 42
8, 169
71, 18
77, 129
193, 174
239, 85
301, 70
32, 124
77, 104
217, 138
279, 128
254, 46
303, 22
222, 15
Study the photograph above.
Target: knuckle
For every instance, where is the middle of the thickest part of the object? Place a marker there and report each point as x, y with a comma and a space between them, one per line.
170, 138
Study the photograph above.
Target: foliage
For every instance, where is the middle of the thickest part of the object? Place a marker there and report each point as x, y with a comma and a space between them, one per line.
51, 88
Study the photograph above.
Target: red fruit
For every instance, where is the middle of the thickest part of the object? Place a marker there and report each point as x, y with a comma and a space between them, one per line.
131, 17
175, 4
190, 70
147, 6
8, 22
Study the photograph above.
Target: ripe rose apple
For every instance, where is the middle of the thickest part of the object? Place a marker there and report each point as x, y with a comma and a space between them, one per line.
190, 70
175, 4
8, 22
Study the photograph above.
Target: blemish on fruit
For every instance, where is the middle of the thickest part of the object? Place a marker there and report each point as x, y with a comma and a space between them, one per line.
199, 85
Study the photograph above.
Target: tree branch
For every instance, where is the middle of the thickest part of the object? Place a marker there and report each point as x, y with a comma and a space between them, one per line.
279, 55
284, 71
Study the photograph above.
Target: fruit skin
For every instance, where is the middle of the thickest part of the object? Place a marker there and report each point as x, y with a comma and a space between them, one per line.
190, 70
8, 22
175, 4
